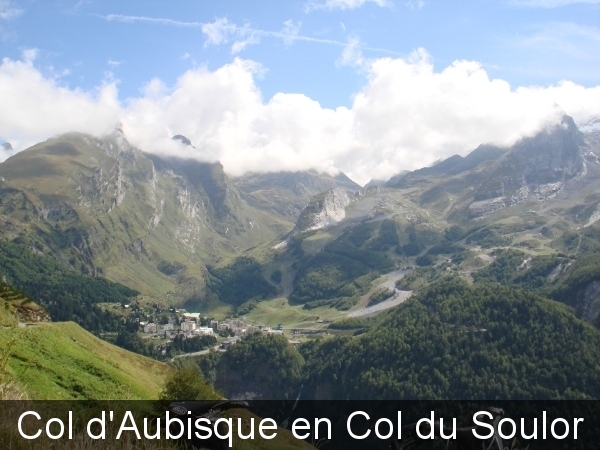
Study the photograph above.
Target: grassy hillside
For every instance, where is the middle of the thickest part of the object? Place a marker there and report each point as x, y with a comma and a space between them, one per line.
63, 361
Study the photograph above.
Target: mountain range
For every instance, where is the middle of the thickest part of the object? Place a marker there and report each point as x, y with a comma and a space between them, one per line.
106, 208
322, 255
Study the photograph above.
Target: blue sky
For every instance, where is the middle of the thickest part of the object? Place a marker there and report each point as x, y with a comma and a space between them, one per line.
327, 51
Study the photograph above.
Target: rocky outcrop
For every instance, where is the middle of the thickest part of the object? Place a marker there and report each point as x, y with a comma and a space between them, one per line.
31, 313
325, 209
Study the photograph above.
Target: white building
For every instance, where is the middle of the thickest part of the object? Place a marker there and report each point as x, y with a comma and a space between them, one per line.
204, 331
150, 328
188, 325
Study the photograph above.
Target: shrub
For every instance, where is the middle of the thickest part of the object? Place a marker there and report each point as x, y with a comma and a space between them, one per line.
187, 384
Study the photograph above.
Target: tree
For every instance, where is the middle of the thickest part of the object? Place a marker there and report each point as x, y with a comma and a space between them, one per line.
187, 384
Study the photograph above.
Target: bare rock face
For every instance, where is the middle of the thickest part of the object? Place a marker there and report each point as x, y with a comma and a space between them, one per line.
7, 146
32, 314
537, 167
325, 209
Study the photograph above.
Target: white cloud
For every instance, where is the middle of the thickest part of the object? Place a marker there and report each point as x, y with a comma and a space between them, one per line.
222, 31
29, 55
406, 116
241, 44
312, 5
7, 12
352, 54
219, 31
290, 30
35, 107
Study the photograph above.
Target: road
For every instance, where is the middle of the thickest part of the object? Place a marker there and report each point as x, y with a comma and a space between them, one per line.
390, 283
200, 353
400, 297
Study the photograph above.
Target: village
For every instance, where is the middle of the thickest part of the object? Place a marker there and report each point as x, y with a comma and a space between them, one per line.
182, 326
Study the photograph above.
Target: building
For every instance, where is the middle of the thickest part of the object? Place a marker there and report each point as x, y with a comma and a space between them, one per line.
204, 331
251, 329
150, 328
188, 325
191, 316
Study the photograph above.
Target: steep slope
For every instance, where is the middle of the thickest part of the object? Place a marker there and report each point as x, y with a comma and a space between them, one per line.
323, 210
286, 193
63, 361
105, 208
456, 341
559, 163
449, 216
16, 307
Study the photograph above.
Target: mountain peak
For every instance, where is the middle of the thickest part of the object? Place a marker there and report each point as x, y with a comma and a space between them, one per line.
181, 138
7, 146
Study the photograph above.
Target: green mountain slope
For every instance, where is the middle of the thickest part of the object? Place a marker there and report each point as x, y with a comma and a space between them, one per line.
557, 167
63, 361
286, 193
456, 341
66, 294
105, 208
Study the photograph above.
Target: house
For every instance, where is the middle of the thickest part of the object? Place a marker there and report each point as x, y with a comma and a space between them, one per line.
251, 329
204, 331
188, 325
150, 328
191, 316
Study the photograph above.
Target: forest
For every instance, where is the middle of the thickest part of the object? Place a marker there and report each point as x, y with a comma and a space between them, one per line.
451, 341
66, 295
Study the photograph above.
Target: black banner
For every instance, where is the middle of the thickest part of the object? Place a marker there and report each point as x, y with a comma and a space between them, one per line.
327, 425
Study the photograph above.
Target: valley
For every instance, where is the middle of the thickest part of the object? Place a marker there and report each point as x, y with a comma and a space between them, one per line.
397, 288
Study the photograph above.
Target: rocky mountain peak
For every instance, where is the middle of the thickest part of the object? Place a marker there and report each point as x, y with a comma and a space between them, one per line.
181, 138
7, 146
536, 167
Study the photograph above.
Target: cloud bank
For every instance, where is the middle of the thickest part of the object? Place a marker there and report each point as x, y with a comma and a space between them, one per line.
34, 107
406, 116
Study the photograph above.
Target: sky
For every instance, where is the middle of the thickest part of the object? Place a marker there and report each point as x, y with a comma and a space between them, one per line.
367, 87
